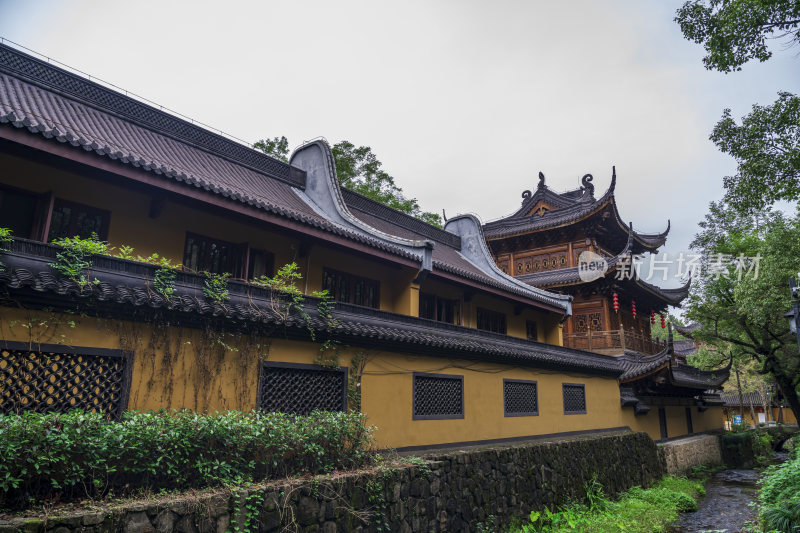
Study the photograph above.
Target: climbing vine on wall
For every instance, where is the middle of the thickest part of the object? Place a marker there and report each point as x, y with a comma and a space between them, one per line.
158, 338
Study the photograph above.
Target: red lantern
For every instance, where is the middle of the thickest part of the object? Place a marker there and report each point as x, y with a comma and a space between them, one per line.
633, 308
652, 317
663, 322
615, 299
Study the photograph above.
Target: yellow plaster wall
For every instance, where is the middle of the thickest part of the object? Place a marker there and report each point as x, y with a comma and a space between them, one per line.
387, 387
184, 368
708, 420
647, 423
676, 421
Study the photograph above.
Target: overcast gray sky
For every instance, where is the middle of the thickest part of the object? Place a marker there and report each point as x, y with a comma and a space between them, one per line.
463, 101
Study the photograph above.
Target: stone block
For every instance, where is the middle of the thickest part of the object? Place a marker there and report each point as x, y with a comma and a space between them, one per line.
165, 521
137, 522
308, 511
186, 525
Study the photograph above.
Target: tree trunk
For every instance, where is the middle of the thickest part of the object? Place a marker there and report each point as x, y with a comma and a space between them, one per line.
739, 390
784, 384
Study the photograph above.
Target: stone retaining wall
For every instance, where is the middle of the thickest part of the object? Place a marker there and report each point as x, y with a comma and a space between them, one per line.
682, 454
446, 492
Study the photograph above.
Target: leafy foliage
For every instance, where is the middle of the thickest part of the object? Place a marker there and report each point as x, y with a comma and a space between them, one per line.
5, 238
742, 312
277, 147
80, 454
637, 510
779, 497
215, 287
766, 146
735, 31
74, 259
164, 282
359, 170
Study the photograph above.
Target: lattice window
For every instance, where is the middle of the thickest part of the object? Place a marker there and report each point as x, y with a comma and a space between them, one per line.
586, 321
438, 396
574, 398
53, 381
300, 389
520, 398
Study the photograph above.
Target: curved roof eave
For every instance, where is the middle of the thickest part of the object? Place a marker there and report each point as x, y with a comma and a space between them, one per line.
475, 250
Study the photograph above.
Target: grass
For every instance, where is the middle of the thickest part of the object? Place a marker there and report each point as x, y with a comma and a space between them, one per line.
637, 510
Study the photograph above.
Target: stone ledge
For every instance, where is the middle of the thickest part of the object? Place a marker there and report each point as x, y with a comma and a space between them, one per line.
450, 492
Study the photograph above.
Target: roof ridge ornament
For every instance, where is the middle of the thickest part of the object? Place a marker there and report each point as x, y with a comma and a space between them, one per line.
586, 185
526, 194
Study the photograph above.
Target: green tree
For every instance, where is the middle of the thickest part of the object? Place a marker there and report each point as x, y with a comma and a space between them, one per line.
766, 145
741, 292
358, 169
735, 31
277, 147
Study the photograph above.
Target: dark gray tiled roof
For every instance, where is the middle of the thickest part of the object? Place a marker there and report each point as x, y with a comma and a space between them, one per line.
635, 364
519, 223
688, 330
65, 108
390, 220
569, 207
124, 286
28, 106
731, 399
76, 87
691, 377
684, 347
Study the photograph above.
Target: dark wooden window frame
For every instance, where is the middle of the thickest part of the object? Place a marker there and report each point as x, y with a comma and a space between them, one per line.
126, 356
42, 211
415, 416
532, 325
300, 366
104, 213
525, 381
491, 313
436, 299
244, 256
353, 278
564, 398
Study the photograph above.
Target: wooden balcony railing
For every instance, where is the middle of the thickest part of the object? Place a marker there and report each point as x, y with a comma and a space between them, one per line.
614, 342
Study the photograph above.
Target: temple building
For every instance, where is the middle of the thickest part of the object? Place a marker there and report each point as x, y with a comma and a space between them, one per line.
577, 244
164, 294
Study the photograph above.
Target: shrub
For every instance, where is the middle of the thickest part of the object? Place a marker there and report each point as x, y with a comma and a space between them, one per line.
780, 484
81, 454
785, 518
638, 510
5, 238
779, 497
75, 257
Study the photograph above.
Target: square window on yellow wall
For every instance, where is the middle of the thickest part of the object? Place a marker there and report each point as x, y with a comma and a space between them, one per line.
574, 398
